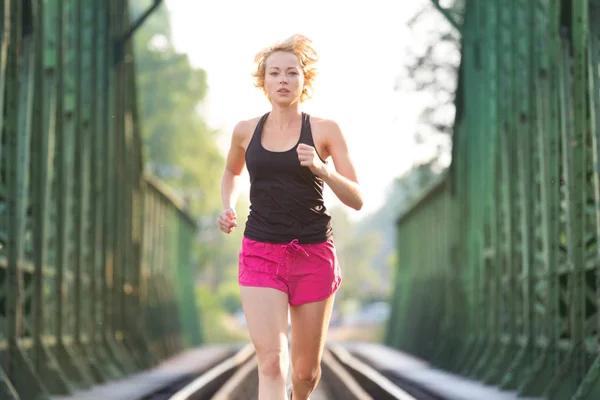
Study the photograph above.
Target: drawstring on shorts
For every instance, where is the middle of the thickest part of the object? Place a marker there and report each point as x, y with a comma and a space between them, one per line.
291, 248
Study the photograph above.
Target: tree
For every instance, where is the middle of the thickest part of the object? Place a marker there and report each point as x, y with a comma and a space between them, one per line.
355, 253
179, 147
432, 62
402, 193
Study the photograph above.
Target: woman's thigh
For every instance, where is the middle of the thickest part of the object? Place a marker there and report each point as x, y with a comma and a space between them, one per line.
310, 323
266, 311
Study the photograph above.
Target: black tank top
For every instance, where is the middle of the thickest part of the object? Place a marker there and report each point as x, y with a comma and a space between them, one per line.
286, 199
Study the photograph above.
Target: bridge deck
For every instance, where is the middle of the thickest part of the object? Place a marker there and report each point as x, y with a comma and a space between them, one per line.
404, 366
190, 363
390, 362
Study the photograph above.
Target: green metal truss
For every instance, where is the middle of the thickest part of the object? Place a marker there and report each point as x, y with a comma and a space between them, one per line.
517, 272
95, 268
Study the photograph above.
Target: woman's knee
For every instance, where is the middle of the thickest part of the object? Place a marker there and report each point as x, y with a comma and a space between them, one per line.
271, 363
307, 371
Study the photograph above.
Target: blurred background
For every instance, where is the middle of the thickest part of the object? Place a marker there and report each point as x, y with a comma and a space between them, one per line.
387, 75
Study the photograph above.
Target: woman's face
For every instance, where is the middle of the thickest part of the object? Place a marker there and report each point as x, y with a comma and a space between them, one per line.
284, 80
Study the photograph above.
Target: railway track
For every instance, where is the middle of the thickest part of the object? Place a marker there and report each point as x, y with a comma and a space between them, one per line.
344, 377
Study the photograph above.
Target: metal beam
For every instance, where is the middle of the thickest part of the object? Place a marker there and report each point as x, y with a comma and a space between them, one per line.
446, 14
138, 23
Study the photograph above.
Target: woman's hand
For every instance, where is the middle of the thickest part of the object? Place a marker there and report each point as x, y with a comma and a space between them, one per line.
308, 157
227, 220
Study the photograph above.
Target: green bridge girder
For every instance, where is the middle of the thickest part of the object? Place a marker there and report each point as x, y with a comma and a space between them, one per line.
498, 274
95, 268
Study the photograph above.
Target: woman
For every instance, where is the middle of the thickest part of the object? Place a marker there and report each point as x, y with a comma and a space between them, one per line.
288, 256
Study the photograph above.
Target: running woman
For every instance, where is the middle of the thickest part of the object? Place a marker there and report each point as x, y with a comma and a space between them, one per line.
288, 259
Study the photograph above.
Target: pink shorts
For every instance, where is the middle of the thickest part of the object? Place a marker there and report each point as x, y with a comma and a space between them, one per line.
306, 272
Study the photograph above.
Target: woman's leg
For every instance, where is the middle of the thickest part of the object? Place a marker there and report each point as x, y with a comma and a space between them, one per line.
310, 323
266, 316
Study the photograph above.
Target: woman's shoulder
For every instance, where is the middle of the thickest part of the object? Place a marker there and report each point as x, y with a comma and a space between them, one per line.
246, 125
244, 129
324, 126
316, 119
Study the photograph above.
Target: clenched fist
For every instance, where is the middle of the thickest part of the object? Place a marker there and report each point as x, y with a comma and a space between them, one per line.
227, 220
308, 157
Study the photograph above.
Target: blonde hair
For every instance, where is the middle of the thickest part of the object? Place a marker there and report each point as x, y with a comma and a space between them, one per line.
299, 45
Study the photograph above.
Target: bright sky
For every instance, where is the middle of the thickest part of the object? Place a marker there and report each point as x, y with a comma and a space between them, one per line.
361, 47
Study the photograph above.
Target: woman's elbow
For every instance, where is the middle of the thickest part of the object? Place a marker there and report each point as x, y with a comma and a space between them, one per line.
357, 202
358, 205
230, 173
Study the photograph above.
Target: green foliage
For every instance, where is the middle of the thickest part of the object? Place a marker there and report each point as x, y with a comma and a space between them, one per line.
219, 326
356, 252
179, 148
158, 22
367, 250
220, 255
229, 296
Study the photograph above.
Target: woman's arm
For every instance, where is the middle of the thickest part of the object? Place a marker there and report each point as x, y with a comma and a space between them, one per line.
342, 181
229, 182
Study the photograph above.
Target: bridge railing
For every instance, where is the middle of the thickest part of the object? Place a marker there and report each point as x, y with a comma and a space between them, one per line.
515, 302
423, 278
95, 257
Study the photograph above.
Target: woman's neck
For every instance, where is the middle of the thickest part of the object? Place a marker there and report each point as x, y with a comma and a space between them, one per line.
284, 116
